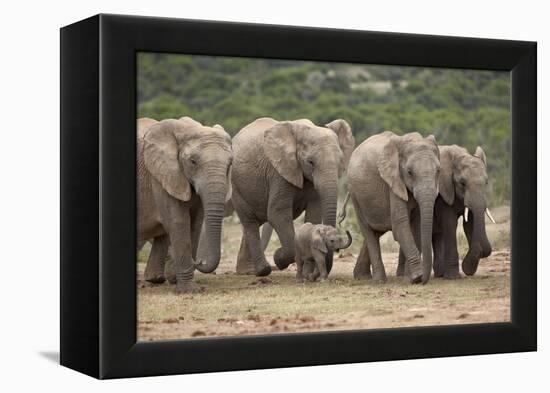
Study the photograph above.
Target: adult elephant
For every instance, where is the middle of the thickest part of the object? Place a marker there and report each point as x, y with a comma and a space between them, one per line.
282, 168
462, 188
392, 182
183, 176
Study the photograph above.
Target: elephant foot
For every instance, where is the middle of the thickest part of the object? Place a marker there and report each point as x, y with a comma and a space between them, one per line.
155, 278
361, 273
299, 279
379, 277
171, 278
281, 260
245, 267
245, 270
263, 270
416, 278
312, 277
400, 272
187, 287
451, 275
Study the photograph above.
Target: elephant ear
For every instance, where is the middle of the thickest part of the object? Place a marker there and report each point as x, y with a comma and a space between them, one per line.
345, 138
481, 155
280, 148
431, 138
318, 241
160, 153
388, 167
446, 183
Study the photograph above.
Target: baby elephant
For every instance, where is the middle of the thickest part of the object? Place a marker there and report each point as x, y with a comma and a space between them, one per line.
312, 244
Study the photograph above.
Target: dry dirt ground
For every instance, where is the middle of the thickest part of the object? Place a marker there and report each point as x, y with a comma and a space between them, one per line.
233, 305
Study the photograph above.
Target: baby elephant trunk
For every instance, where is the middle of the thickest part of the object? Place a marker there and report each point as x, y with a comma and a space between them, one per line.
348, 241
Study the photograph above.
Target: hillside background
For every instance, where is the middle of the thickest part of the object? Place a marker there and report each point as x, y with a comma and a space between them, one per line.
464, 107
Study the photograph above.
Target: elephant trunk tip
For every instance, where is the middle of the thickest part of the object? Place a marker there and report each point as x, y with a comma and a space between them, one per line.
350, 240
206, 267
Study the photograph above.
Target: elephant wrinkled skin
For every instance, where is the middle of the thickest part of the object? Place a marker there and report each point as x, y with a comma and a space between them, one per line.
281, 169
183, 176
392, 182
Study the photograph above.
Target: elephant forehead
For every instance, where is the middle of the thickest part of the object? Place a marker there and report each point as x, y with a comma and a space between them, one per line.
419, 146
472, 166
206, 143
319, 136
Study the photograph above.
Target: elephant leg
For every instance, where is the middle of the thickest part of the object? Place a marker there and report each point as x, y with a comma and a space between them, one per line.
245, 264
400, 272
170, 267
176, 220
310, 270
439, 254
154, 270
403, 233
299, 268
321, 267
372, 238
267, 231
252, 236
281, 220
451, 249
362, 268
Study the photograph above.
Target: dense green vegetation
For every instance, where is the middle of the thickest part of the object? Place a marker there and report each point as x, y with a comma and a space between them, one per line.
464, 107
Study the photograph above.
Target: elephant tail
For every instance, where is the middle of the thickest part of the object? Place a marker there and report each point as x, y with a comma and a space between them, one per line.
342, 213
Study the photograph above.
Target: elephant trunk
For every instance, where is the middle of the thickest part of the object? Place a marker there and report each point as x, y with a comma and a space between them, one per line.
213, 200
328, 192
426, 202
479, 243
347, 241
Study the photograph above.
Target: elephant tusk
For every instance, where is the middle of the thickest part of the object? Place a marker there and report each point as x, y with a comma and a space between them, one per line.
490, 216
466, 211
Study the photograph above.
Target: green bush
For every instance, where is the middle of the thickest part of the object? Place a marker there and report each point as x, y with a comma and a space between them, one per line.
464, 107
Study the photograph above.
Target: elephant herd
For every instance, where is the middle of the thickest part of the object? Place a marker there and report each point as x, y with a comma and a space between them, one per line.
191, 176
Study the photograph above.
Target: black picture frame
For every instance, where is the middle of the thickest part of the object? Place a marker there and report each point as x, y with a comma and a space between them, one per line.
98, 198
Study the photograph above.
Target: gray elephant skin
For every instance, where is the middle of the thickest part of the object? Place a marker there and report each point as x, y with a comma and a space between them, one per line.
183, 176
313, 242
462, 183
281, 169
393, 182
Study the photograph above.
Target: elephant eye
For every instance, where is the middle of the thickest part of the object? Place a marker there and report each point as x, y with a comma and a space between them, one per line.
463, 183
310, 162
193, 161
410, 172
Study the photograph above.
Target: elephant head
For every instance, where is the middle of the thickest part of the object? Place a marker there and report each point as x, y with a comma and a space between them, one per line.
464, 178
410, 164
325, 238
300, 149
185, 157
